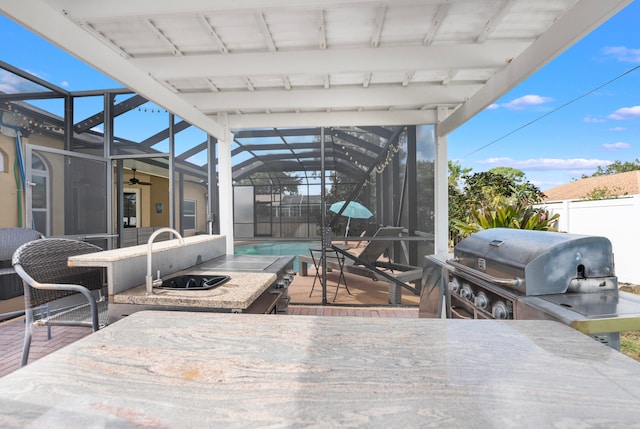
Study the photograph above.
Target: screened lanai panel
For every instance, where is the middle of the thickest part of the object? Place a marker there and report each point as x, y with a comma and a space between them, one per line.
88, 125
425, 169
70, 195
191, 199
140, 129
351, 151
425, 199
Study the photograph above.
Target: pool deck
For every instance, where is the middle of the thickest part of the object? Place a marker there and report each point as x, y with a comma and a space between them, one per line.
368, 299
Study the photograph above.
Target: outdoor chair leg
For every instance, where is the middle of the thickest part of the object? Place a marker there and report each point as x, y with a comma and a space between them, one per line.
46, 310
28, 333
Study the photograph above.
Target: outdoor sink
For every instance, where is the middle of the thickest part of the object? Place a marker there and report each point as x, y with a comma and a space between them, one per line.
193, 282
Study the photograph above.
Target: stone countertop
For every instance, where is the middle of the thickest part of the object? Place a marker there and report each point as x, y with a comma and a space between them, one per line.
127, 267
182, 370
124, 253
238, 293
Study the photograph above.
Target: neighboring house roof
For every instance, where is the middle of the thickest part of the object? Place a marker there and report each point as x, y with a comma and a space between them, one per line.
616, 185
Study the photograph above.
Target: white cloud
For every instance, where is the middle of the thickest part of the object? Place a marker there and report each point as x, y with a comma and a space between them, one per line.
592, 120
617, 145
527, 101
7, 89
493, 106
546, 163
617, 129
64, 84
625, 113
622, 53
11, 83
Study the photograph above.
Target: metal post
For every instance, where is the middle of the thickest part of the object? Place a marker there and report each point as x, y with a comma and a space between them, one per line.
172, 202
212, 186
412, 192
323, 217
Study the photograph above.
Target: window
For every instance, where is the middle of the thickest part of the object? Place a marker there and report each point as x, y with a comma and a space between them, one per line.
40, 194
130, 210
189, 215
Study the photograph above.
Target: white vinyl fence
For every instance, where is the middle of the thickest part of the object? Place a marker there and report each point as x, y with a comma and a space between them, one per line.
617, 219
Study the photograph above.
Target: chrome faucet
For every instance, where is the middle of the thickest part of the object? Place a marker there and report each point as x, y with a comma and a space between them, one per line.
150, 283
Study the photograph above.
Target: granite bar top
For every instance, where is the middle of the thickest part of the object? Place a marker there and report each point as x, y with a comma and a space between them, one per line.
114, 255
239, 292
194, 370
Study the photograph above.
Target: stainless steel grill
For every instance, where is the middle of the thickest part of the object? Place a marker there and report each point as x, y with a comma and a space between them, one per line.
518, 274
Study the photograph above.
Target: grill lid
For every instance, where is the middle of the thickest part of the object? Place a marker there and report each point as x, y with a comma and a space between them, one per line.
546, 262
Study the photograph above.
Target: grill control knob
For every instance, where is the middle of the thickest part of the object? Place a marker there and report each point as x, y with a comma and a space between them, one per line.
500, 310
466, 292
454, 285
481, 300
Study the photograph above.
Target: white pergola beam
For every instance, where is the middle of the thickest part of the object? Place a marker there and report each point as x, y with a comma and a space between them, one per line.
502, 9
328, 119
100, 9
59, 30
266, 34
436, 23
334, 97
377, 32
160, 36
322, 31
571, 27
327, 61
212, 33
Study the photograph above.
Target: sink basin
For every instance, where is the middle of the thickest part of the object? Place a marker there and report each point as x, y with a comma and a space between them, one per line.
193, 282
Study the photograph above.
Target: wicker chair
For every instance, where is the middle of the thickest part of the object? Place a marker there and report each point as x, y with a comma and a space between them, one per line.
10, 240
42, 264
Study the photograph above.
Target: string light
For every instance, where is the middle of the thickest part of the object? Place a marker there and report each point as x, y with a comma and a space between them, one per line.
391, 152
393, 149
145, 110
30, 124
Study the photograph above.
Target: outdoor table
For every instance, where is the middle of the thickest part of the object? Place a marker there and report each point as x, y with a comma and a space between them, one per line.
329, 253
182, 369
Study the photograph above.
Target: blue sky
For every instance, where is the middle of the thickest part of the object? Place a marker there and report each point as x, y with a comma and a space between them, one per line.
593, 131
559, 146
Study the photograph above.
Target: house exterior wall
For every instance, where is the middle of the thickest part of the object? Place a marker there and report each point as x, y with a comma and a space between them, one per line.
616, 219
197, 193
8, 188
150, 195
157, 193
10, 213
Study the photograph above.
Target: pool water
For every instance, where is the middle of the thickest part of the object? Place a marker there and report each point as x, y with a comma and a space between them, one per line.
292, 248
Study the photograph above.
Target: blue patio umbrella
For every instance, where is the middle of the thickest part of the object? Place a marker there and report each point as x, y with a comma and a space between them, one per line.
353, 210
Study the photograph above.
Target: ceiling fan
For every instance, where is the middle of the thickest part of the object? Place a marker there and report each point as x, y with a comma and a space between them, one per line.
136, 181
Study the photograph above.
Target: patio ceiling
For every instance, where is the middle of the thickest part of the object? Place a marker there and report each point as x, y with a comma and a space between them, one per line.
231, 64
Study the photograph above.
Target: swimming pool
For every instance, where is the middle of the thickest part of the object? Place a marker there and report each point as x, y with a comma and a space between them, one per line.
292, 248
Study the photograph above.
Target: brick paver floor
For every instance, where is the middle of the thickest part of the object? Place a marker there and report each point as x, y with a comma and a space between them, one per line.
12, 339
